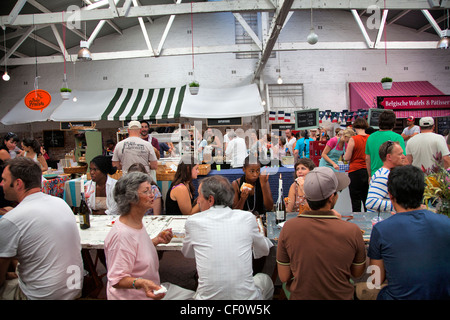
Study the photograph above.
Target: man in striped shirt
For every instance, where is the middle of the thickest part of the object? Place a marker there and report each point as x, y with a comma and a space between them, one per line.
391, 153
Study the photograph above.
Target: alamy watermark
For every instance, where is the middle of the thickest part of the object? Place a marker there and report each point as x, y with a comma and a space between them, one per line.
262, 145
73, 13
374, 20
75, 278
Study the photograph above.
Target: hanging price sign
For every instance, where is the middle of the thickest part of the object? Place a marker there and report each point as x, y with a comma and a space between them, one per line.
38, 99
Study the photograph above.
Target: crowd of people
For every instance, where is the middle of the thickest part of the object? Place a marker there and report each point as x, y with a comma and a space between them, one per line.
318, 252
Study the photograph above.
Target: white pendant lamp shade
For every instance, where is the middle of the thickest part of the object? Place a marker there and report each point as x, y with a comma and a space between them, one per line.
312, 37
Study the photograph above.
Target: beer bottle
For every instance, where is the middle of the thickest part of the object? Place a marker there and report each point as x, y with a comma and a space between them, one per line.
84, 213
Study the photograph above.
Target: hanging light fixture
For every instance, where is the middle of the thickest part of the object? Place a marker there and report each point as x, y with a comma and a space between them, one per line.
5, 76
279, 80
65, 90
84, 54
194, 86
445, 37
312, 37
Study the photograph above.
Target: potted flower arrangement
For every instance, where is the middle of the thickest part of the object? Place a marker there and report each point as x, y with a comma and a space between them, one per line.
386, 82
437, 186
194, 87
65, 93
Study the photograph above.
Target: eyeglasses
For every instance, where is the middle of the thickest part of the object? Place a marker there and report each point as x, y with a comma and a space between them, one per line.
148, 192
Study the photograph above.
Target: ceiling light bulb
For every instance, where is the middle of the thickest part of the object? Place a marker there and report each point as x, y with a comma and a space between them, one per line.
75, 99
6, 76
279, 81
312, 37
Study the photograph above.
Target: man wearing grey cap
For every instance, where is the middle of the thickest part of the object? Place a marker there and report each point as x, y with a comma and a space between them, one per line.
422, 148
135, 150
318, 252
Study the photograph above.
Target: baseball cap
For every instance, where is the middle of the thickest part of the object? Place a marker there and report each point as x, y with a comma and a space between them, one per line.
322, 182
410, 118
426, 122
134, 125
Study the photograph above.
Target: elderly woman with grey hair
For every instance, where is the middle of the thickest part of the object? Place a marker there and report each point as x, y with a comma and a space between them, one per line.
130, 253
222, 240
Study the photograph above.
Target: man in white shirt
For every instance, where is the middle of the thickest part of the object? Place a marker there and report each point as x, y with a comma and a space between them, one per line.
290, 141
422, 148
42, 234
222, 241
411, 130
134, 149
236, 150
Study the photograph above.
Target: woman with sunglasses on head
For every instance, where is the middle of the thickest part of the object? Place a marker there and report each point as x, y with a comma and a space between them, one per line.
32, 149
8, 148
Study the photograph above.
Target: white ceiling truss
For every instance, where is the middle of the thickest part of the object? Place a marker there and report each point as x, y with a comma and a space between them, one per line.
104, 12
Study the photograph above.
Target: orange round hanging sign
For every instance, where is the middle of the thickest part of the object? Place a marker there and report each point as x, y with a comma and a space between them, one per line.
38, 99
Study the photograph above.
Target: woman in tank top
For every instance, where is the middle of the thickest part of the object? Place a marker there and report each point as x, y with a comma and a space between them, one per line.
32, 149
296, 197
356, 155
258, 199
180, 196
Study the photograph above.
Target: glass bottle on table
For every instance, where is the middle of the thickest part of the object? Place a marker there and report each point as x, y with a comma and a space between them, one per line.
84, 211
280, 206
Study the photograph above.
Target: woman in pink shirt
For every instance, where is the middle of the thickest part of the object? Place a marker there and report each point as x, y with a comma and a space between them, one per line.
131, 255
334, 149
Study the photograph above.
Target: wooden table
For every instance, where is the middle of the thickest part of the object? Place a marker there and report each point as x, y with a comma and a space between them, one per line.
362, 219
94, 237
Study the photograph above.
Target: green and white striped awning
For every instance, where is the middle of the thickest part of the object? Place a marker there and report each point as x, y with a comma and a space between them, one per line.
160, 103
148, 104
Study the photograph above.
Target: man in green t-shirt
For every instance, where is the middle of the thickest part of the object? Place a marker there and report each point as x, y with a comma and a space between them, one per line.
376, 139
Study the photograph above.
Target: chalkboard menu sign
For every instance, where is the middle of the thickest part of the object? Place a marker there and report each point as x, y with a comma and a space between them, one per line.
307, 119
374, 115
442, 124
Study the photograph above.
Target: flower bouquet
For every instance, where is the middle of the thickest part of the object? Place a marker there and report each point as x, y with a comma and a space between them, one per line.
437, 186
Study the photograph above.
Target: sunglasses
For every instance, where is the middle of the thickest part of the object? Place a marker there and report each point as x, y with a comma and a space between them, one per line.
389, 145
